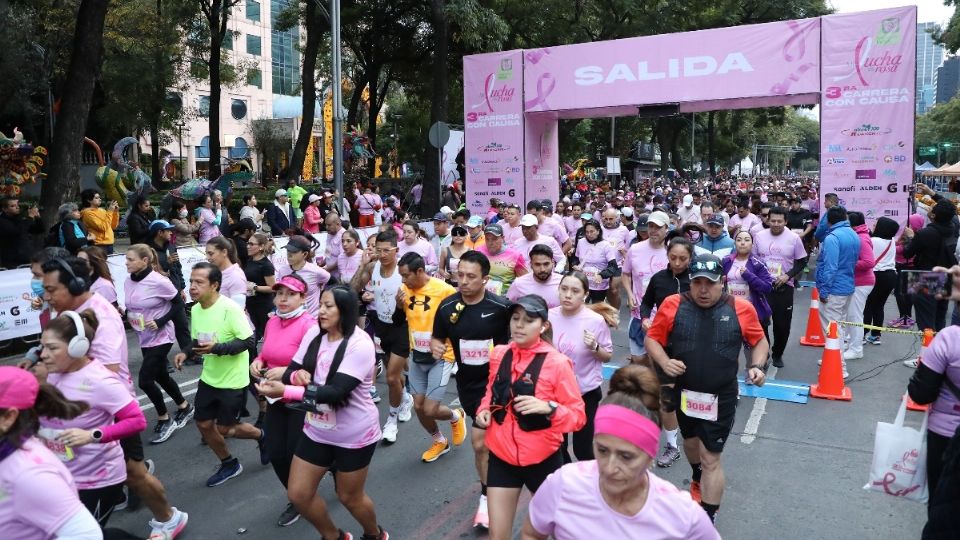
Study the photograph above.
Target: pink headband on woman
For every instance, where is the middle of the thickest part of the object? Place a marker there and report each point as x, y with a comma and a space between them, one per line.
628, 425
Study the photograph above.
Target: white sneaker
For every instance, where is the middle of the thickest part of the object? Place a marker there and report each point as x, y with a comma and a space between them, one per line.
846, 375
911, 363
406, 408
851, 355
390, 431
482, 518
170, 529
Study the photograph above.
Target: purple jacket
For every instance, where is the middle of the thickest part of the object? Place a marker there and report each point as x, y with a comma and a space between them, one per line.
758, 278
863, 270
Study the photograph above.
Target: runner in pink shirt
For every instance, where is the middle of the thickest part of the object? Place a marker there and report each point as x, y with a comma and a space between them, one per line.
334, 247
413, 242
583, 335
531, 237
542, 280
300, 250
103, 284
618, 236
222, 253
348, 261
617, 496
596, 259
643, 260
511, 224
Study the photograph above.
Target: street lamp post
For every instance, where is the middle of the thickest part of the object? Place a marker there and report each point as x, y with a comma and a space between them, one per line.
180, 144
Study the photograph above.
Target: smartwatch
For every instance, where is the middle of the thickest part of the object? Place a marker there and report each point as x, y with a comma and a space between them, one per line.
553, 407
755, 367
97, 435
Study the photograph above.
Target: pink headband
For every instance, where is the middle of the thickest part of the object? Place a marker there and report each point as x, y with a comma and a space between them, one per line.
628, 425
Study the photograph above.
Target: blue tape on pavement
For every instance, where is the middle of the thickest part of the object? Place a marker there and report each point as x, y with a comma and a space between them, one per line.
793, 392
608, 370
807, 283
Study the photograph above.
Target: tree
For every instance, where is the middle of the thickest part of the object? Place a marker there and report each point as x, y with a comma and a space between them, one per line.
269, 140
61, 184
949, 37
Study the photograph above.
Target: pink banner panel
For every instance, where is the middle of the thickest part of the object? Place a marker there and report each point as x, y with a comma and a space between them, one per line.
867, 110
493, 130
542, 157
773, 59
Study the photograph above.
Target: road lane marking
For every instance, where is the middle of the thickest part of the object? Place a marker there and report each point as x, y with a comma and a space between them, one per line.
184, 384
756, 414
149, 406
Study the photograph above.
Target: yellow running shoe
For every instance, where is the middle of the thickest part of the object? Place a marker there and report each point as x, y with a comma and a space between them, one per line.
436, 450
459, 428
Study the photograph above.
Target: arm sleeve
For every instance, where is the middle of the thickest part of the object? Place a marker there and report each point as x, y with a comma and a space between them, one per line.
341, 385
128, 421
798, 266
924, 385
292, 367
612, 270
235, 346
218, 217
663, 322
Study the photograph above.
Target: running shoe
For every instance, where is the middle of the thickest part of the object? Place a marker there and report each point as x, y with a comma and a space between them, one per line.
695, 491
170, 529
262, 447
382, 535
436, 450
482, 519
406, 408
289, 516
163, 430
874, 340
183, 416
668, 456
390, 431
345, 536
908, 322
374, 395
225, 471
911, 363
459, 428
895, 323
851, 355
778, 361
379, 366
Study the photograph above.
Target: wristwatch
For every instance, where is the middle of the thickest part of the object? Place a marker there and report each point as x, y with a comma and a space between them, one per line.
755, 367
553, 407
97, 435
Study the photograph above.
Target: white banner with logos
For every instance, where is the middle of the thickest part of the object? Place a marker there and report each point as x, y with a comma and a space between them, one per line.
18, 319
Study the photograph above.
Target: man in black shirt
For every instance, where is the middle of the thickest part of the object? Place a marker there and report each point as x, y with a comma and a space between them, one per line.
16, 246
474, 320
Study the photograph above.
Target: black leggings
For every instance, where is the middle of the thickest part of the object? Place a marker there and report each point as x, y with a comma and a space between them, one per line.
153, 372
595, 297
181, 325
936, 446
873, 309
284, 427
904, 301
583, 439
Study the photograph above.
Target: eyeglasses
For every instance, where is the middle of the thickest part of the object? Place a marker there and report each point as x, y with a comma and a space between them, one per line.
384, 250
705, 266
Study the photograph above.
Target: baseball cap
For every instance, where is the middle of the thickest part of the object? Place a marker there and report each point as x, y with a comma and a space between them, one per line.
714, 219
444, 210
533, 304
280, 193
641, 223
547, 204
659, 218
160, 225
298, 243
19, 388
441, 216
627, 212
313, 197
586, 215
475, 221
291, 283
528, 220
493, 229
327, 193
688, 200
706, 265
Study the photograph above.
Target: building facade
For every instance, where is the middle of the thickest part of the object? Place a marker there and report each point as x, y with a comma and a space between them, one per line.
947, 79
929, 57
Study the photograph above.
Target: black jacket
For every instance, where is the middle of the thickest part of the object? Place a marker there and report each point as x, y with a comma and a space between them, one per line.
174, 270
663, 284
138, 228
16, 246
280, 221
928, 246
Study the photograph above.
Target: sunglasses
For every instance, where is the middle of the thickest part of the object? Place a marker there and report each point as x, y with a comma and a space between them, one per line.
459, 232
705, 266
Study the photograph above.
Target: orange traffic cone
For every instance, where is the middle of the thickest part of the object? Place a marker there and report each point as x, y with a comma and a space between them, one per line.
927, 338
830, 383
814, 335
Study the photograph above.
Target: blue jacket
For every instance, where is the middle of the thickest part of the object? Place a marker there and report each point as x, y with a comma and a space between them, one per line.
714, 245
758, 279
838, 256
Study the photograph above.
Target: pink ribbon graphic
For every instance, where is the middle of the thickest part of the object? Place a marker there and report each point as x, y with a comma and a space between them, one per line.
888, 480
535, 55
794, 49
546, 84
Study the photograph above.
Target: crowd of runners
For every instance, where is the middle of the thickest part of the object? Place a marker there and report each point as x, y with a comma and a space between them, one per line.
516, 305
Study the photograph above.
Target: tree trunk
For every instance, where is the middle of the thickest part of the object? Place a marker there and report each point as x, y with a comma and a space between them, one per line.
675, 158
308, 79
430, 201
372, 112
662, 132
711, 139
62, 183
156, 106
217, 20
353, 112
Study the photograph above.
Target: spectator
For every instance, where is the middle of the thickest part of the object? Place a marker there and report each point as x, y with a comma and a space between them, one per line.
311, 215
863, 281
835, 267
296, 194
250, 210
367, 204
184, 231
933, 245
138, 221
208, 218
280, 216
68, 232
99, 222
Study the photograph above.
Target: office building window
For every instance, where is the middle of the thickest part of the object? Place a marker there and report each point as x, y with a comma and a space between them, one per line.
227, 42
253, 45
204, 106
255, 78
238, 109
203, 151
253, 10
284, 56
240, 149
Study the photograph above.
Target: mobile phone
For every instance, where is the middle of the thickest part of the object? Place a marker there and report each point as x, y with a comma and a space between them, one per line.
929, 283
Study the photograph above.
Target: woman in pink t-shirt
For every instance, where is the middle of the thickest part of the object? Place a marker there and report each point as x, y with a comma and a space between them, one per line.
40, 497
208, 217
348, 261
616, 496
584, 336
89, 443
300, 254
597, 259
223, 253
342, 426
412, 241
148, 296
284, 333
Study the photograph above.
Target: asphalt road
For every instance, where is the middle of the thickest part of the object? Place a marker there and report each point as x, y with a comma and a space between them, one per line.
798, 473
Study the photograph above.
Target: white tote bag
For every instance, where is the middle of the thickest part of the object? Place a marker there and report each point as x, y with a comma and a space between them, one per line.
900, 459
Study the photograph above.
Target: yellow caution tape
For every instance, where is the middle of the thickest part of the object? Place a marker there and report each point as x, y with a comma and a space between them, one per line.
883, 328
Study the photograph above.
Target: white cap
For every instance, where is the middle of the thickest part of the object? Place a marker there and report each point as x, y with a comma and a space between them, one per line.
659, 218
313, 197
626, 211
529, 220
446, 210
280, 193
688, 200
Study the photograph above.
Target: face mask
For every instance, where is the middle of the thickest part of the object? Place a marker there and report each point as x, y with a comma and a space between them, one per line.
183, 213
36, 285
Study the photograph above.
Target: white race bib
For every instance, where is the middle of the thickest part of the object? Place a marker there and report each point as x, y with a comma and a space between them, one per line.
49, 438
699, 405
774, 268
136, 321
741, 290
421, 341
323, 418
475, 352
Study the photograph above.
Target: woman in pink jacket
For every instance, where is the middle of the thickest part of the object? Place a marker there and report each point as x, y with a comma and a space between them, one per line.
863, 281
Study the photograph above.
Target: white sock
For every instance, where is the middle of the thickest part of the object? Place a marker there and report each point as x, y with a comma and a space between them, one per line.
438, 437
394, 412
672, 436
456, 416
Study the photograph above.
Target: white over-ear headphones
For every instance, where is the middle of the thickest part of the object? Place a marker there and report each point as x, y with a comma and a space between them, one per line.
79, 345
